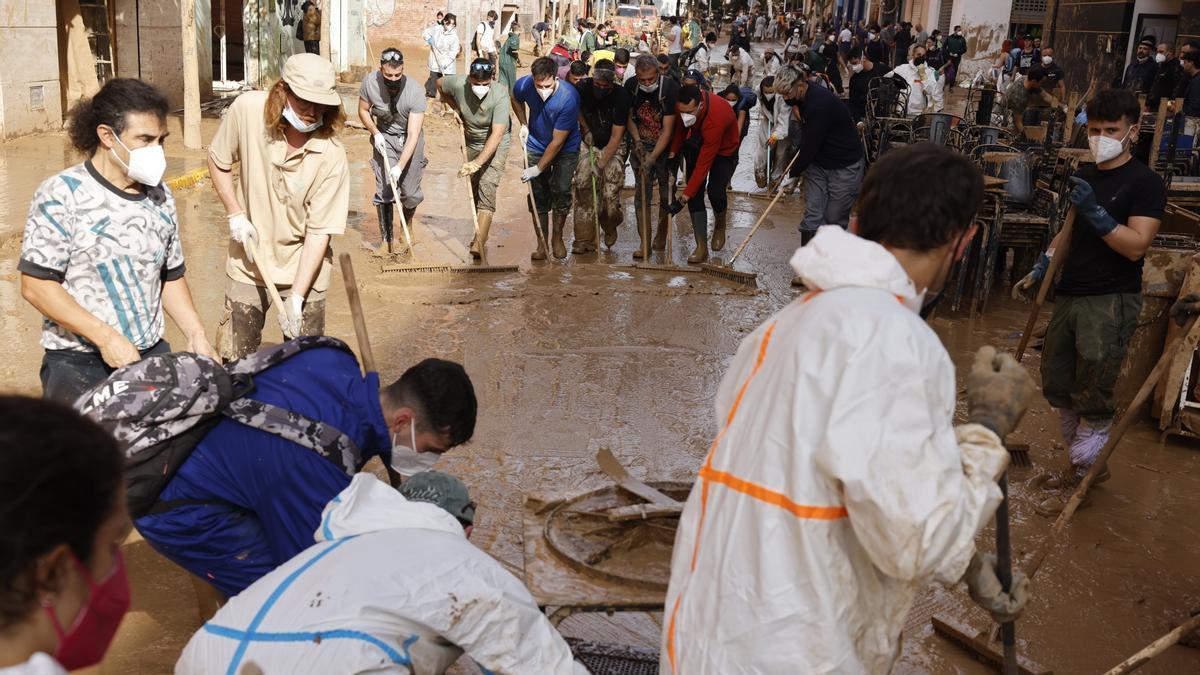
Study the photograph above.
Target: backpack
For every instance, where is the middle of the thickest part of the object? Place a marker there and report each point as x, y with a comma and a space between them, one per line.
159, 408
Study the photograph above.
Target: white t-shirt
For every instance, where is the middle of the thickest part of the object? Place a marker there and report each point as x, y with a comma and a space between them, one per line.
845, 35
676, 46
38, 664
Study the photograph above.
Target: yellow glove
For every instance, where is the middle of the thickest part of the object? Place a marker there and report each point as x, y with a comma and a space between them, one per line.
468, 168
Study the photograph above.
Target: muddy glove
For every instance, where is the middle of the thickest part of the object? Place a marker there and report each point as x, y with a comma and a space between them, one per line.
998, 391
530, 173
468, 169
1185, 308
675, 206
291, 316
1024, 290
987, 592
1084, 199
242, 231
380, 144
523, 134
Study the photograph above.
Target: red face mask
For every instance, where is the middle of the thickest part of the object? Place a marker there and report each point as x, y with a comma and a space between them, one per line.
84, 643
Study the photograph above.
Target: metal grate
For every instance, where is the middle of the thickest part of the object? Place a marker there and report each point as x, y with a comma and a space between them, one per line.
606, 659
1028, 11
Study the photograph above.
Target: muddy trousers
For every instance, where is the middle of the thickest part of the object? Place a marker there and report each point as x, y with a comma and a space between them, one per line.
716, 185
239, 333
409, 182
486, 180
552, 189
67, 374
608, 184
662, 173
829, 194
1086, 342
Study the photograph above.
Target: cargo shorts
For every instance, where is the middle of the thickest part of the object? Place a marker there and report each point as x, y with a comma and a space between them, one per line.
1086, 342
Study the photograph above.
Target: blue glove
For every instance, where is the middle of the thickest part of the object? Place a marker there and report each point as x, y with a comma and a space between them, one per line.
1084, 199
1040, 267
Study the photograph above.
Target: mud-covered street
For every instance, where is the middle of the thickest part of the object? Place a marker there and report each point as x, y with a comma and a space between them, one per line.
568, 358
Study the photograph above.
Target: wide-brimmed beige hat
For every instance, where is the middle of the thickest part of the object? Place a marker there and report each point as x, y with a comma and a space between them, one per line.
311, 78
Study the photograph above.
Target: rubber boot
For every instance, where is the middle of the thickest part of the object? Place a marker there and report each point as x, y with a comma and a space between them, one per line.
700, 230
556, 241
643, 234
543, 223
718, 238
409, 215
660, 234
385, 224
479, 243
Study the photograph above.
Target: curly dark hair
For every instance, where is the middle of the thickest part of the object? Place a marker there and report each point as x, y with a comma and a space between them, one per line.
60, 474
116, 99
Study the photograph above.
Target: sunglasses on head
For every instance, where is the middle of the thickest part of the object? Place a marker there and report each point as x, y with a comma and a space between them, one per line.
392, 57
481, 69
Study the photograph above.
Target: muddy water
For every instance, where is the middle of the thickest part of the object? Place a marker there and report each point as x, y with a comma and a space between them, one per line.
569, 358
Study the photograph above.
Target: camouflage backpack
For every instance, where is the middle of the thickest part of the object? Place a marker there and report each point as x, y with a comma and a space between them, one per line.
159, 408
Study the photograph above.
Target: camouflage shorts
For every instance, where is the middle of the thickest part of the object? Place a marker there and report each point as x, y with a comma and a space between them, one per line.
1086, 343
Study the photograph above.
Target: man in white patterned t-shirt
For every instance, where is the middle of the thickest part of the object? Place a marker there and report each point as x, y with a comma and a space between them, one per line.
101, 256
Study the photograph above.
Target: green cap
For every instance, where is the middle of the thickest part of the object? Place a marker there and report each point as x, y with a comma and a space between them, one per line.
443, 490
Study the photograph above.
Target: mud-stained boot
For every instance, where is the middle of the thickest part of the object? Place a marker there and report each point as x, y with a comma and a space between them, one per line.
660, 234
479, 243
542, 223
718, 238
700, 230
557, 247
643, 235
385, 224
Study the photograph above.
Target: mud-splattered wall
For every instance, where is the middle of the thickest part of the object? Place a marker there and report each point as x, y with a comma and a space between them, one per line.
985, 25
1090, 39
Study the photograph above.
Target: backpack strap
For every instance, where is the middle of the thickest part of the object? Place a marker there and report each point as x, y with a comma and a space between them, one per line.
265, 358
324, 439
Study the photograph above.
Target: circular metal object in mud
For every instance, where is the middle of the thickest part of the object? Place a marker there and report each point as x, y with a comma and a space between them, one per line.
636, 552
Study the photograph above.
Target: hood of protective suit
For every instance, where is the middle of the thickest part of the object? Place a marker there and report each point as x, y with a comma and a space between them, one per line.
371, 505
836, 258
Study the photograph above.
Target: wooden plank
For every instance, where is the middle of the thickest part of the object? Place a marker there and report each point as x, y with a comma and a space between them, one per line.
979, 647
1159, 122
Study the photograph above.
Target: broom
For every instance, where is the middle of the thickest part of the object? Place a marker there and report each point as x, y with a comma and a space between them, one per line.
726, 271
669, 265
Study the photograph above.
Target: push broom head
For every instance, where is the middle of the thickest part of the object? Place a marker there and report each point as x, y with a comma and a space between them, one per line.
451, 269
730, 274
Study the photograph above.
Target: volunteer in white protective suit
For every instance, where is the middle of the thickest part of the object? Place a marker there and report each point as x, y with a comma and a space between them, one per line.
924, 84
774, 118
838, 485
391, 586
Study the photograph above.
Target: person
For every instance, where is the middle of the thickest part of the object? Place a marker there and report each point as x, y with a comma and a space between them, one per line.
442, 39
768, 103
830, 157
1119, 206
643, 45
956, 47
621, 58
394, 114
1191, 68
293, 196
587, 41
794, 46
651, 127
311, 27
888, 37
904, 41
740, 64
1026, 93
692, 33
924, 86
771, 63
707, 138
394, 618
1181, 86
830, 63
844, 39
674, 43
863, 71
574, 72
667, 69
484, 43
540, 30
1139, 75
64, 589
832, 495
246, 501
742, 100
483, 107
600, 174
1030, 55
696, 78
1054, 82
874, 49
550, 132
101, 256
510, 56
1166, 80
701, 56
935, 57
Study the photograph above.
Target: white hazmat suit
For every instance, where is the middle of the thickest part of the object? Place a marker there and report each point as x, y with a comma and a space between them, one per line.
837, 485
924, 88
443, 49
392, 586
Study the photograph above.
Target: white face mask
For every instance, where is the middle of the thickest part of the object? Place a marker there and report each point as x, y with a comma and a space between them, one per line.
688, 119
547, 92
480, 90
856, 67
871, 36
1160, 58
958, 32
1105, 148
298, 124
650, 88
1047, 60
406, 461
146, 165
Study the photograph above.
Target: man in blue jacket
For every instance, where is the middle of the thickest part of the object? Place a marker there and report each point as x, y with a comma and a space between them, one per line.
245, 500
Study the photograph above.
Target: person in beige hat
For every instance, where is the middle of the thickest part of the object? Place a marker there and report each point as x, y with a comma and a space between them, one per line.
292, 197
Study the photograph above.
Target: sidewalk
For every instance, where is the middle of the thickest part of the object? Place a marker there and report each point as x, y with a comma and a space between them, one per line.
27, 161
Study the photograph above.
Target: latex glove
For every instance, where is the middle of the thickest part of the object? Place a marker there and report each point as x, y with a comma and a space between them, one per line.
380, 143
530, 173
998, 391
675, 206
291, 316
397, 172
1084, 199
1023, 290
984, 586
789, 183
117, 351
242, 231
468, 168
523, 134
1185, 307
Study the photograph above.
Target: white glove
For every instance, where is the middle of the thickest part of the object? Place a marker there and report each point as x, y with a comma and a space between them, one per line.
523, 134
530, 173
242, 231
291, 316
397, 172
380, 144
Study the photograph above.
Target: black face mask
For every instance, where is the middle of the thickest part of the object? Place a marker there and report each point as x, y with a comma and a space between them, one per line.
392, 85
918, 60
600, 93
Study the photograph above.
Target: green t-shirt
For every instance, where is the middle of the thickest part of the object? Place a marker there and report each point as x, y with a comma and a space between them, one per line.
478, 114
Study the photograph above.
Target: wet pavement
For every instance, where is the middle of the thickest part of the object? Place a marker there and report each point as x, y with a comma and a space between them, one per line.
571, 357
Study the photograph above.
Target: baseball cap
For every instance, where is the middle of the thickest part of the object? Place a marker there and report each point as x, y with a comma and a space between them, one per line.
311, 78
441, 489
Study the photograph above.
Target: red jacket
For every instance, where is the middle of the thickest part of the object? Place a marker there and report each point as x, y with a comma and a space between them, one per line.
719, 129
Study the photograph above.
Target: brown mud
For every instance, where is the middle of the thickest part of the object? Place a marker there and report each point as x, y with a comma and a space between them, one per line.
569, 358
